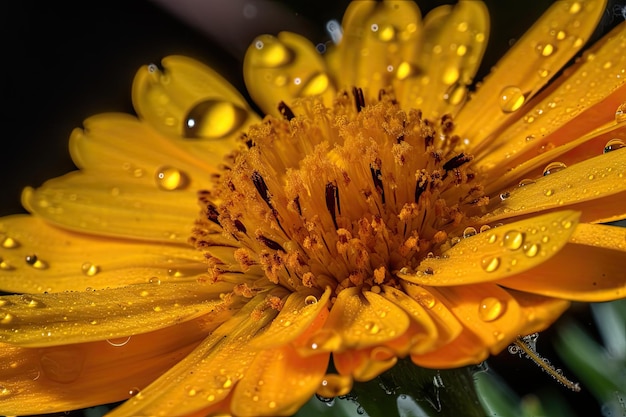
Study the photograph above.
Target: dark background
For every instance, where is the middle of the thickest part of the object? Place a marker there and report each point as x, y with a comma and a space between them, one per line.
64, 61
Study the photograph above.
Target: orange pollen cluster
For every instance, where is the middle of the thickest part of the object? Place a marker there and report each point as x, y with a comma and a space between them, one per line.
338, 197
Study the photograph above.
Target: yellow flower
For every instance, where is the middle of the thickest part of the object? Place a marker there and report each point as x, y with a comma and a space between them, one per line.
381, 210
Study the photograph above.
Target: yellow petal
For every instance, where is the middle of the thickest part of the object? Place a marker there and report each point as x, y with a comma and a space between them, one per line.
300, 310
62, 378
454, 41
586, 97
423, 332
76, 317
546, 47
114, 206
466, 349
278, 382
589, 269
539, 311
363, 319
487, 310
499, 252
283, 68
189, 100
586, 186
68, 261
448, 326
379, 45
206, 376
365, 364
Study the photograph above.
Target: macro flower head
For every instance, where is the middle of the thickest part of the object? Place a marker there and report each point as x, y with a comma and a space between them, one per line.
205, 260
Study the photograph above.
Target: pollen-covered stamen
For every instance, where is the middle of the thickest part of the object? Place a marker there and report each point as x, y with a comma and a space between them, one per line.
285, 111
359, 99
405, 185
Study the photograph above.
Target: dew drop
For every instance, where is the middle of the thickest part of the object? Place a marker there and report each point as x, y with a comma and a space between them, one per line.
213, 119
546, 49
450, 75
118, 342
316, 85
484, 228
575, 7
5, 317
513, 239
386, 33
490, 309
4, 391
531, 250
271, 53
169, 178
35, 262
469, 231
553, 167
490, 263
504, 195
90, 269
613, 145
372, 327
9, 243
455, 94
154, 280
5, 266
548, 192
492, 238
525, 182
310, 300
334, 385
620, 113
511, 99
31, 302
426, 300
134, 391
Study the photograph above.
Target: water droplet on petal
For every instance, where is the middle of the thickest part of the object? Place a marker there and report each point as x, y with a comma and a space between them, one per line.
9, 243
154, 280
613, 145
90, 269
134, 391
455, 94
505, 195
531, 250
372, 328
490, 309
525, 182
386, 33
620, 113
513, 239
484, 228
5, 266
553, 167
170, 178
548, 192
575, 7
310, 299
5, 317
469, 231
213, 119
546, 49
405, 70
511, 99
31, 302
490, 263
271, 52
35, 262
317, 84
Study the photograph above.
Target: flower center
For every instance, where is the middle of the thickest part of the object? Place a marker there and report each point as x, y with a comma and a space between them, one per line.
341, 197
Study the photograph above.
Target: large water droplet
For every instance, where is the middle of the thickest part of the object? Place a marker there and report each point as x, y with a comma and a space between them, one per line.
90, 269
490, 263
35, 262
553, 167
405, 70
531, 250
213, 119
6, 317
513, 239
317, 84
119, 342
455, 94
31, 301
575, 7
372, 328
386, 33
169, 178
490, 309
334, 385
525, 182
511, 99
613, 145
469, 231
310, 300
271, 53
5, 266
63, 366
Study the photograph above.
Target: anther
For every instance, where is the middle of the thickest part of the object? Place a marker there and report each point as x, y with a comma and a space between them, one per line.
332, 200
378, 182
456, 161
359, 100
271, 244
285, 111
261, 187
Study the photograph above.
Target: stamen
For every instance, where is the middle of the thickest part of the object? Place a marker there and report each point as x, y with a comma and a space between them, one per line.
271, 244
261, 187
240, 226
378, 182
285, 111
296, 202
456, 161
526, 344
359, 100
332, 197
213, 214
